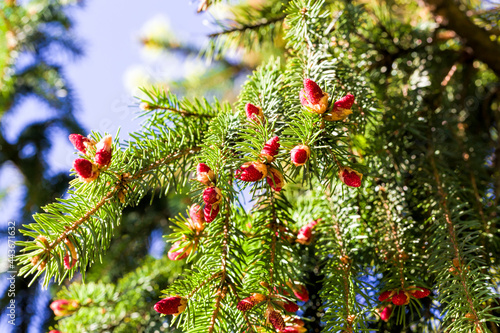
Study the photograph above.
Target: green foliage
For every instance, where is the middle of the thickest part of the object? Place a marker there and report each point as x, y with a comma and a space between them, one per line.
425, 216
121, 307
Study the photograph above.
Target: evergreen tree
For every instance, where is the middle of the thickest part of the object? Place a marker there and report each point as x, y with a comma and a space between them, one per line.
29, 34
369, 146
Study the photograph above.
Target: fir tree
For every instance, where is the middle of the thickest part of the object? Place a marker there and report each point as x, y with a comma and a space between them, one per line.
369, 146
28, 35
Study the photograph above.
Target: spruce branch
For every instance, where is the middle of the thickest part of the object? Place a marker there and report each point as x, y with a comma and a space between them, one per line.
252, 26
453, 238
222, 289
204, 283
181, 112
345, 266
44, 252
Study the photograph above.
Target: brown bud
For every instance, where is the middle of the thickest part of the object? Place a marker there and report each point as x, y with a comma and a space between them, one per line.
121, 196
264, 284
42, 241
470, 316
42, 265
404, 256
456, 262
145, 106
350, 319
34, 260
345, 260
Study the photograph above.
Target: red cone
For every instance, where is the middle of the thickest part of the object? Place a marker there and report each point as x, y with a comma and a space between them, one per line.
210, 212
350, 177
171, 305
270, 149
80, 142
251, 172
254, 112
212, 196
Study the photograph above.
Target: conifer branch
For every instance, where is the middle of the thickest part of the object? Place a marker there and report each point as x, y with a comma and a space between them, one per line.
345, 264
117, 188
249, 26
453, 237
222, 290
346, 272
238, 299
84, 218
204, 283
472, 177
181, 112
273, 239
166, 160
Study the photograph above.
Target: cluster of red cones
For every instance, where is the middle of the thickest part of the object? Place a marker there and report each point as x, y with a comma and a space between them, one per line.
315, 100
98, 156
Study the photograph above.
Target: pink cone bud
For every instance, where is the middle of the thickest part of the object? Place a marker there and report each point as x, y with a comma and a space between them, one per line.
350, 177
64, 307
197, 217
71, 257
85, 169
300, 154
341, 108
212, 196
254, 112
300, 291
313, 98
304, 235
102, 158
419, 292
312, 91
386, 313
68, 263
270, 149
80, 142
400, 298
345, 102
386, 295
54, 331
291, 306
276, 320
204, 174
103, 151
210, 212
171, 305
176, 253
277, 181
251, 172
249, 302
